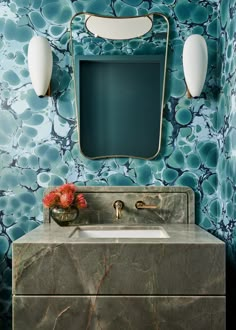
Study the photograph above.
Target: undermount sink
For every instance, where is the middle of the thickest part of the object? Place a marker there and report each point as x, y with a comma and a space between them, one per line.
119, 232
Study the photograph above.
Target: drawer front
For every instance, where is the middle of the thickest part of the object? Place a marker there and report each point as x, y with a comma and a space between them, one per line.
116, 313
126, 269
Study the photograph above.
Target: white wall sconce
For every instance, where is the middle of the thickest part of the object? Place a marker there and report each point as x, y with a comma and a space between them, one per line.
40, 64
195, 61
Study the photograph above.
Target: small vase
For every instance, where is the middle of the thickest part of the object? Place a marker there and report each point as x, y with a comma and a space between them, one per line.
64, 216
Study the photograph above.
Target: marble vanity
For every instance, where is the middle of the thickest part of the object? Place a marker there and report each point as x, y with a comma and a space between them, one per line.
64, 280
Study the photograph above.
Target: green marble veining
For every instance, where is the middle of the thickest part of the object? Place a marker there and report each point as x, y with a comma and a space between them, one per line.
173, 205
134, 262
38, 137
146, 312
170, 269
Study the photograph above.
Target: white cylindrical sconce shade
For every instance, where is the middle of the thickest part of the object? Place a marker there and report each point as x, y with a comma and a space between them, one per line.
195, 61
40, 64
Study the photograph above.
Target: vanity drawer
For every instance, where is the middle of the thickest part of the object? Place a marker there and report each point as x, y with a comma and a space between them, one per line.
123, 269
115, 313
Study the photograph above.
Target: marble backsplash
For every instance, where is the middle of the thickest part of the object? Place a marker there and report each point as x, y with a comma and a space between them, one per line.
174, 205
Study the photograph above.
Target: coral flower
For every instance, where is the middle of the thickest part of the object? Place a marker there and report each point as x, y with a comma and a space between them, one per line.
66, 199
67, 187
51, 199
81, 202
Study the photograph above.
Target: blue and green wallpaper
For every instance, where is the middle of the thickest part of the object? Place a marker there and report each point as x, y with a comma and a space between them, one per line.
39, 140
225, 226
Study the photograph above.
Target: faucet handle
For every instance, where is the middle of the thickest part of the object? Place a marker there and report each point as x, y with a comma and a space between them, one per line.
118, 206
142, 205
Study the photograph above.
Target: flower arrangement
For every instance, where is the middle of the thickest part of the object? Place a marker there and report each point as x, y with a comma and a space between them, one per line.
65, 197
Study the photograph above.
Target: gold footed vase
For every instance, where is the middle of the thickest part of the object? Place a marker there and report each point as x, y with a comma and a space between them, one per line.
64, 216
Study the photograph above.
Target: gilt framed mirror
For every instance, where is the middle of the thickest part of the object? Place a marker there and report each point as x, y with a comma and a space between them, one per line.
119, 78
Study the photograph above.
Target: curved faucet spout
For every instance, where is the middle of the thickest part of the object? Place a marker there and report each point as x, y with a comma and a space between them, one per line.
118, 206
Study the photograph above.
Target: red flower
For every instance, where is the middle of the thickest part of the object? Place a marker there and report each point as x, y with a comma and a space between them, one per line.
65, 196
67, 187
51, 199
80, 201
66, 199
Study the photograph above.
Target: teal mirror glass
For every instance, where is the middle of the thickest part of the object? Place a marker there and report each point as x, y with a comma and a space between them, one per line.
119, 89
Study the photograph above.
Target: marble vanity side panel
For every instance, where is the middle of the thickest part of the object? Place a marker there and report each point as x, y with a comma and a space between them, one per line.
174, 205
116, 313
193, 269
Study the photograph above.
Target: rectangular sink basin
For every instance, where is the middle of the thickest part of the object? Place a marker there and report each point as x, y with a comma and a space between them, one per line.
120, 232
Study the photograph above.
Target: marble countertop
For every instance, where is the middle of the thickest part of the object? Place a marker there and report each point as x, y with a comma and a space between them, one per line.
51, 233
182, 264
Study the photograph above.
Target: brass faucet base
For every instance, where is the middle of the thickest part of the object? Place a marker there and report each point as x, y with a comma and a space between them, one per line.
118, 206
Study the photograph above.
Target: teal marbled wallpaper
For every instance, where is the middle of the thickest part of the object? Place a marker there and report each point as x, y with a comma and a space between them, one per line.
225, 226
226, 119
38, 137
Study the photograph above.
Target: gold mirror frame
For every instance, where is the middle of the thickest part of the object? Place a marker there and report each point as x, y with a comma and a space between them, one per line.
153, 15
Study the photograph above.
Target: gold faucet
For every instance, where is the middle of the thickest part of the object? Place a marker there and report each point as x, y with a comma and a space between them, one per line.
118, 206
